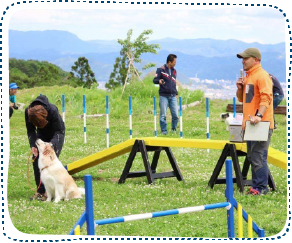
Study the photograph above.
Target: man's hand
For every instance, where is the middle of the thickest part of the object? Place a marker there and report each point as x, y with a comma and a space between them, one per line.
255, 119
240, 83
47, 149
35, 151
161, 81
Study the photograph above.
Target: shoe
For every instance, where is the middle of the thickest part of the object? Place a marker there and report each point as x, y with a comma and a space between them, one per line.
257, 191
251, 191
39, 196
173, 131
264, 191
164, 133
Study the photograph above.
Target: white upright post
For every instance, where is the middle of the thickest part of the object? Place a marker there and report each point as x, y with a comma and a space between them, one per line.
63, 108
180, 117
107, 122
207, 115
84, 118
155, 113
130, 116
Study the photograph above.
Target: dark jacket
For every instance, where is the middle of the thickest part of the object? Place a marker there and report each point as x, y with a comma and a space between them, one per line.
53, 132
169, 77
277, 89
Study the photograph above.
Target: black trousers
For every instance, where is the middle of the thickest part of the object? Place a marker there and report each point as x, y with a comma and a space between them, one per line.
37, 174
10, 111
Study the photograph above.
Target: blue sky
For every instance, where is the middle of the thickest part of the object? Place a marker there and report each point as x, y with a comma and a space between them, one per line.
249, 24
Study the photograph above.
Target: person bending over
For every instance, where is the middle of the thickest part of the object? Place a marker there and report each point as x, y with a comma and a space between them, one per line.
43, 121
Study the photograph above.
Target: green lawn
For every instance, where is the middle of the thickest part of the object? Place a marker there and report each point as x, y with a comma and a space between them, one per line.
136, 196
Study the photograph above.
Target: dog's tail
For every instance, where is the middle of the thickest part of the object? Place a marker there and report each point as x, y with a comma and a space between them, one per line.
81, 190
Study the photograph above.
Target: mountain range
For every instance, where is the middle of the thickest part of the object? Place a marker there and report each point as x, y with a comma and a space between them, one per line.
202, 58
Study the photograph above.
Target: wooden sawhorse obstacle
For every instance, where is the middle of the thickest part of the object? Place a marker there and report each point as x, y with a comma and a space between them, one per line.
150, 170
88, 214
241, 176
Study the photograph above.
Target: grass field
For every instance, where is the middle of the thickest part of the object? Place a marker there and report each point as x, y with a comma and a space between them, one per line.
136, 196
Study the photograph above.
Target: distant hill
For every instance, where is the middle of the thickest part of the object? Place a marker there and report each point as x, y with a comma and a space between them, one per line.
28, 74
206, 58
214, 48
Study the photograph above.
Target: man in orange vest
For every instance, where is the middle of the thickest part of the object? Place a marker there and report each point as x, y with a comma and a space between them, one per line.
255, 90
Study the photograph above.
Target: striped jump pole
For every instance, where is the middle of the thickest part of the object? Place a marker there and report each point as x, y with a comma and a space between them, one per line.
134, 217
207, 115
107, 122
84, 118
130, 116
180, 117
155, 113
234, 107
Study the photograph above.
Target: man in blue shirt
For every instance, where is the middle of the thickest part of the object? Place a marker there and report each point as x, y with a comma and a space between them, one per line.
278, 95
12, 98
166, 78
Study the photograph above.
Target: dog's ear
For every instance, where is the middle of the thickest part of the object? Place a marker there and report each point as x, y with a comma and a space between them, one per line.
224, 115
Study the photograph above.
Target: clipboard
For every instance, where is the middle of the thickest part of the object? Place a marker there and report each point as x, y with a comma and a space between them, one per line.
258, 132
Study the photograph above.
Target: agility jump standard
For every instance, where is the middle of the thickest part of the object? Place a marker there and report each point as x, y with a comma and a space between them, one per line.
84, 118
155, 112
180, 117
88, 215
107, 122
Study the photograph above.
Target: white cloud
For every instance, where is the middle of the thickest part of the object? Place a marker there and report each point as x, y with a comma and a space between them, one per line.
232, 23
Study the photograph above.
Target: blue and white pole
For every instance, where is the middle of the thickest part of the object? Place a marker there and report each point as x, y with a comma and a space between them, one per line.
134, 217
180, 117
130, 116
84, 118
107, 122
207, 114
63, 107
155, 113
234, 107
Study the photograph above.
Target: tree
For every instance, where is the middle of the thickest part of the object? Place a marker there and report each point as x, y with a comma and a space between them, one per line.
85, 75
33, 73
130, 53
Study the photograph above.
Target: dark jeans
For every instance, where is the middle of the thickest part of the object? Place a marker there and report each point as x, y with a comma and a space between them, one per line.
276, 101
10, 111
37, 174
257, 153
164, 103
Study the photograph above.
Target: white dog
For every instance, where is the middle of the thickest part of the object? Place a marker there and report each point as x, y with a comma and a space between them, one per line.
228, 118
56, 179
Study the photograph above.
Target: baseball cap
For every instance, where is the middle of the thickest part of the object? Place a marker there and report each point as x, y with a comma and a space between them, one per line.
13, 86
250, 52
